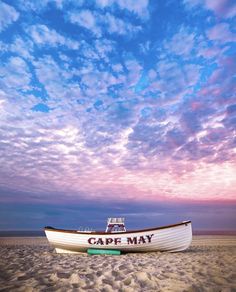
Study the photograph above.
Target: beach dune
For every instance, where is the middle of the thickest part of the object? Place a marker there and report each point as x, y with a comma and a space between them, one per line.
31, 264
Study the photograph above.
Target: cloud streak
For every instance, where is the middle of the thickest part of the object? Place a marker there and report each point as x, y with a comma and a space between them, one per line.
97, 103
100, 24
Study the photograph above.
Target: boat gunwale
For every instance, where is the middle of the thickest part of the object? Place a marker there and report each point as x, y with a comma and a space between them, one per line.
115, 233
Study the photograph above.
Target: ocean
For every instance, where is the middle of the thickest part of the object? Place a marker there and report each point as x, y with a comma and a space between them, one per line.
22, 233
40, 233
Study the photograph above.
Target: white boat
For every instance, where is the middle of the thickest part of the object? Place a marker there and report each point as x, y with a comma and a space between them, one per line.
172, 238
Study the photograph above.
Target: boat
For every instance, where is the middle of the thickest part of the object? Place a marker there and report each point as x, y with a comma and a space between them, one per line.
171, 238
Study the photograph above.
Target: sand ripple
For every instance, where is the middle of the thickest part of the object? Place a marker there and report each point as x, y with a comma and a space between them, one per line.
208, 265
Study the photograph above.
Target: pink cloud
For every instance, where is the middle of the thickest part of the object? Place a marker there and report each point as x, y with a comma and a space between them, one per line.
221, 79
221, 33
212, 52
183, 180
224, 8
221, 8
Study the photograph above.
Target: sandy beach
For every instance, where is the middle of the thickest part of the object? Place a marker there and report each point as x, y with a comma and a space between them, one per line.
31, 264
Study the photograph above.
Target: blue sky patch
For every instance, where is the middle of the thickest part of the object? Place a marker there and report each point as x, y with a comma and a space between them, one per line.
40, 107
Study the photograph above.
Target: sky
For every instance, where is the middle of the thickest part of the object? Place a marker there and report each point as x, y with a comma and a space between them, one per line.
117, 108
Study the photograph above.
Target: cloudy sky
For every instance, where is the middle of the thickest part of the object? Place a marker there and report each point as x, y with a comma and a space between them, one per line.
117, 108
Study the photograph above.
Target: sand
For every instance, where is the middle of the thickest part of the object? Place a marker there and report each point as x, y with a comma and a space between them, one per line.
30, 264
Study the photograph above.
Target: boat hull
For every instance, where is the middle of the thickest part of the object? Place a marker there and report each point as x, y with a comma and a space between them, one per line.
170, 238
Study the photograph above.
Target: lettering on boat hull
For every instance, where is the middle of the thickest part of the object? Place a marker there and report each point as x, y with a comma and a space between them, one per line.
118, 240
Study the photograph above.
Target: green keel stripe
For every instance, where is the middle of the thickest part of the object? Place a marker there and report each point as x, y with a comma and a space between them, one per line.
103, 251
